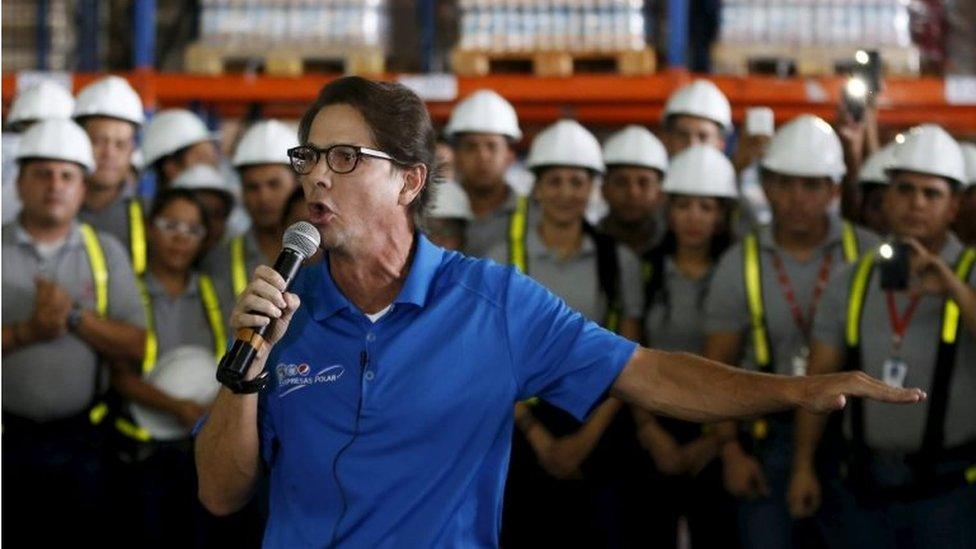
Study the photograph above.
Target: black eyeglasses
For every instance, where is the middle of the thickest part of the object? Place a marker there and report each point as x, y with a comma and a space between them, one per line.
340, 158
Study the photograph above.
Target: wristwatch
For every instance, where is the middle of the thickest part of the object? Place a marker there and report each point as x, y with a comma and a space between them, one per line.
74, 317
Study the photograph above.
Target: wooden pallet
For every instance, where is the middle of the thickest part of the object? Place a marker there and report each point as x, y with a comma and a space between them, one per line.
283, 60
553, 63
790, 59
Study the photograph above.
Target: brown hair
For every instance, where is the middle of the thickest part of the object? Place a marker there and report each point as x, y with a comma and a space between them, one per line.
398, 122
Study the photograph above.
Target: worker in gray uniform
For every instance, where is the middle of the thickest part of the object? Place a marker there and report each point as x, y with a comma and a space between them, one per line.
111, 113
906, 313
482, 129
70, 305
760, 309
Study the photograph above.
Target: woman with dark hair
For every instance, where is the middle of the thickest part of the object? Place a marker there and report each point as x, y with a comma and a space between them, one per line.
170, 392
701, 190
562, 473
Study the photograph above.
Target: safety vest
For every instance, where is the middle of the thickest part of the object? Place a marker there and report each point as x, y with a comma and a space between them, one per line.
99, 274
238, 265
137, 237
211, 305
758, 329
608, 266
933, 440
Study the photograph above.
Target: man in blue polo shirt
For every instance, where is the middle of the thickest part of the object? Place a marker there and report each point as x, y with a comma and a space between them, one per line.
389, 415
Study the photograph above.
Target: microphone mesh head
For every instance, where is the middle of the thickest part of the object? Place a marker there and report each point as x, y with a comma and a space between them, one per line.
302, 237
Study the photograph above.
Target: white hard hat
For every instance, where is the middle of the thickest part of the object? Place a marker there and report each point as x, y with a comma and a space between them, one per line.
185, 373
203, 177
806, 147
42, 101
171, 130
930, 150
701, 170
59, 139
703, 99
484, 111
635, 146
111, 96
969, 154
566, 143
451, 202
266, 142
873, 170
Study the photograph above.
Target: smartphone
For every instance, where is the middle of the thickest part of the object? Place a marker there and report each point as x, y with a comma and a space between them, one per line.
893, 264
855, 97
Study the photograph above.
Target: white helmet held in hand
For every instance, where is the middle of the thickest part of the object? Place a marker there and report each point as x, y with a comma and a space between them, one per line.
969, 155
701, 170
171, 130
566, 143
58, 139
451, 202
45, 100
930, 150
806, 146
185, 373
635, 146
111, 96
873, 170
703, 99
484, 111
266, 142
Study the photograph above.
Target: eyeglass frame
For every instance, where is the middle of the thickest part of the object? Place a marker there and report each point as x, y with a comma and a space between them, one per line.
180, 227
359, 150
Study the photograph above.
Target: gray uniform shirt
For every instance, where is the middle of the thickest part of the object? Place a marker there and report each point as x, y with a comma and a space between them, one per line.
575, 279
182, 320
890, 427
676, 320
56, 379
112, 219
218, 262
484, 233
726, 309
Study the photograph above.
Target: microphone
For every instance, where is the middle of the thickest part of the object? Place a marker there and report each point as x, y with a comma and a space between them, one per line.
299, 242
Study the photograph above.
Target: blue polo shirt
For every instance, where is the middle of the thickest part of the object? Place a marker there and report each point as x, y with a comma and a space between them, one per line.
397, 434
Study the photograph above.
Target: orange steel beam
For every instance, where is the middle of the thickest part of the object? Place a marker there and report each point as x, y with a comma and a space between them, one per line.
592, 98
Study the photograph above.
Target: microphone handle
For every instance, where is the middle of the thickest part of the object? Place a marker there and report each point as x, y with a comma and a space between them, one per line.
236, 362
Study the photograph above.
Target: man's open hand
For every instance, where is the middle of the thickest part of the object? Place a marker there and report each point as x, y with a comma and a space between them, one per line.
826, 393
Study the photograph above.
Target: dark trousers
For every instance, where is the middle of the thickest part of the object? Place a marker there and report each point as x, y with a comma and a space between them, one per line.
53, 483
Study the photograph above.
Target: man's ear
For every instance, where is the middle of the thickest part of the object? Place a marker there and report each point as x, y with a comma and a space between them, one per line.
414, 179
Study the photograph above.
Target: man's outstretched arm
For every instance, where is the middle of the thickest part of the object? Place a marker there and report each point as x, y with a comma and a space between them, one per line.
693, 388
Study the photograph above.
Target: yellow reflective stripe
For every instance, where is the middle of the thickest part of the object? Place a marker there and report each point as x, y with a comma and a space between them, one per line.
760, 429
516, 235
238, 267
950, 313
855, 301
98, 413
137, 237
613, 319
212, 306
754, 298
971, 475
647, 271
152, 344
849, 241
96, 257
132, 430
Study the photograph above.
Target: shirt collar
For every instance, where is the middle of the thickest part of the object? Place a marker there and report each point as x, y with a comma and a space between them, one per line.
834, 234
423, 268
155, 288
538, 250
23, 238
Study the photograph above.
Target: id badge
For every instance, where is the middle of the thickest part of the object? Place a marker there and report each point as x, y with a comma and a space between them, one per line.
799, 362
894, 372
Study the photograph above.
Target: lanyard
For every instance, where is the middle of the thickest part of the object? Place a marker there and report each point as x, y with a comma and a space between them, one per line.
899, 324
803, 323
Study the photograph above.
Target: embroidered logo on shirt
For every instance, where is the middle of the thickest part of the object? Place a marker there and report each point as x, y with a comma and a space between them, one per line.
292, 377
